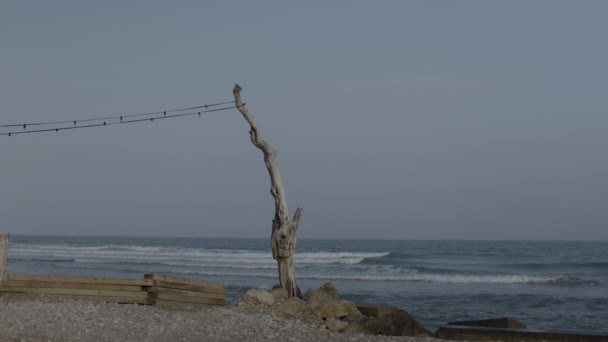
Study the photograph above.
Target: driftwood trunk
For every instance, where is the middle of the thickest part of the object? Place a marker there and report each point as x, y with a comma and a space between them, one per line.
284, 230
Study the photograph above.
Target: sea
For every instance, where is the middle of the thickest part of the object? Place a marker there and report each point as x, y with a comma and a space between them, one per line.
547, 285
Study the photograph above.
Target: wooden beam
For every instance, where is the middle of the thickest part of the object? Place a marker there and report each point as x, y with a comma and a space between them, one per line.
186, 293
85, 280
196, 288
62, 297
179, 305
202, 283
77, 292
63, 285
181, 298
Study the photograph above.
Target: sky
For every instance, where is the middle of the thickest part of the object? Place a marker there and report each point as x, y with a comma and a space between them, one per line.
393, 119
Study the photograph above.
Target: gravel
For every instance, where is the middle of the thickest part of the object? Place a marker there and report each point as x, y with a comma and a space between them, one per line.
44, 320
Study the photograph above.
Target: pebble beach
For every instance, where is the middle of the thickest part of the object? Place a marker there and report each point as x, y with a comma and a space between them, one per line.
43, 320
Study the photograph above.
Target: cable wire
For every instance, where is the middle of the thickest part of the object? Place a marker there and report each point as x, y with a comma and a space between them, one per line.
121, 117
122, 121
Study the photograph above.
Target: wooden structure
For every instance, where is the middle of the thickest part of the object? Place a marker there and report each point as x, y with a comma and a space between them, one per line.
177, 292
153, 289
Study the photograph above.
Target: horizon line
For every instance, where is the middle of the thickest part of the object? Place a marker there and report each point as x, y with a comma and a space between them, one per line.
303, 238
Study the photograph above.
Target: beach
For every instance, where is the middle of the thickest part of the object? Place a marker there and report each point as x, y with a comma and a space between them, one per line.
44, 320
546, 285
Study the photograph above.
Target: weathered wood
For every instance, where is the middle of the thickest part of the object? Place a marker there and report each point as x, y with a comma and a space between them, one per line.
77, 292
204, 284
196, 288
170, 304
181, 298
3, 252
63, 285
167, 290
185, 293
91, 280
63, 297
284, 230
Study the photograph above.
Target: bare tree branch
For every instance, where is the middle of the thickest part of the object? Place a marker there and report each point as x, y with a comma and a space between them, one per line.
284, 231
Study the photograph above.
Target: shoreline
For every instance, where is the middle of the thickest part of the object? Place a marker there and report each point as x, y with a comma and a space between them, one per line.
44, 320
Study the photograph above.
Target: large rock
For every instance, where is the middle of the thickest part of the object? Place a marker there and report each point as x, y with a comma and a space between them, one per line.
386, 320
292, 306
279, 293
335, 324
324, 295
337, 309
257, 296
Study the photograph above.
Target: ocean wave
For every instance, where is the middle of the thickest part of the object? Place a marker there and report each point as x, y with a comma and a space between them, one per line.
438, 278
11, 259
132, 253
558, 265
179, 264
462, 279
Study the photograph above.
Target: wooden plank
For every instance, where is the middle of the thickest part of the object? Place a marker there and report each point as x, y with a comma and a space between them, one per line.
188, 287
81, 286
77, 292
160, 277
180, 305
60, 297
86, 280
180, 298
185, 293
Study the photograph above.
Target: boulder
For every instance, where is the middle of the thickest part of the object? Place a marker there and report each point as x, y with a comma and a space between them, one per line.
292, 306
279, 293
257, 296
337, 309
324, 295
351, 318
386, 320
335, 324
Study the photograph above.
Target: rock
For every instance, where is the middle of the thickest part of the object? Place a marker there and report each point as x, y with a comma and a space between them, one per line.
256, 296
386, 320
279, 293
337, 309
335, 324
325, 294
292, 306
351, 318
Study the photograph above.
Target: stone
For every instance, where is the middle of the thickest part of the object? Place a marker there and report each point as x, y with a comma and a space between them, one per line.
351, 318
335, 324
337, 309
256, 296
387, 320
279, 293
292, 306
325, 294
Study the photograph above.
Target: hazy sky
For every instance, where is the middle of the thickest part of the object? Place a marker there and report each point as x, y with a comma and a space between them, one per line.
394, 119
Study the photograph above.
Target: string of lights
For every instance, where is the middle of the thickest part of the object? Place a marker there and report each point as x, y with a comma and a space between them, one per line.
115, 120
121, 117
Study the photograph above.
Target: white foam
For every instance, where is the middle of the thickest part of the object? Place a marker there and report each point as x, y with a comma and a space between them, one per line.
440, 278
164, 254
